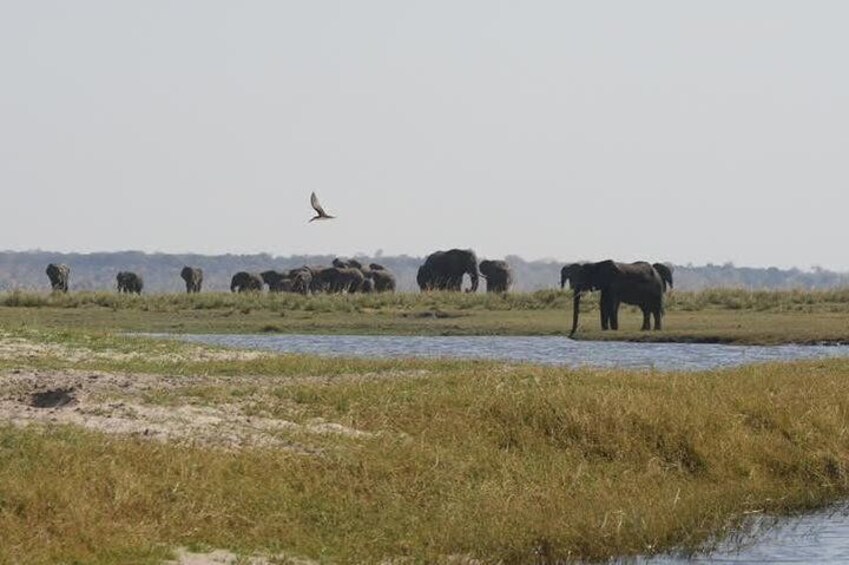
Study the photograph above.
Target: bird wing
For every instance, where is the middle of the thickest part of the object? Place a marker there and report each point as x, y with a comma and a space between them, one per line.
316, 205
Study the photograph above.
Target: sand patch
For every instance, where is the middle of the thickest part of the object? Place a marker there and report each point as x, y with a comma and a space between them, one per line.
117, 404
223, 557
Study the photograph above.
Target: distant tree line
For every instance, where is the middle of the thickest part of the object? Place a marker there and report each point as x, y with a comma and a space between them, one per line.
161, 271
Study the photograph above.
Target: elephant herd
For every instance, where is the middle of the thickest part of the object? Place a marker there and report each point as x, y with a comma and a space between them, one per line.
127, 281
348, 276
641, 284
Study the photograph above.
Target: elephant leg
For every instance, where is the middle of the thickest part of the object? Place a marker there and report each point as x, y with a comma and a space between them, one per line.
614, 314
646, 319
604, 310
658, 317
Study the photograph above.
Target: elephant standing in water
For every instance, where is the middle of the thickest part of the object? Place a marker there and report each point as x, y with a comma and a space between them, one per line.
193, 277
444, 270
129, 282
246, 282
632, 283
498, 274
58, 275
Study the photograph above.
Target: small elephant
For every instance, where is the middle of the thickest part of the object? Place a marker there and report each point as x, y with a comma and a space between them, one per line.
383, 279
246, 282
193, 277
129, 282
498, 274
58, 275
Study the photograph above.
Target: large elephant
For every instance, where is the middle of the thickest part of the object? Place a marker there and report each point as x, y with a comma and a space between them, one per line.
498, 275
246, 282
58, 275
129, 282
193, 277
632, 283
444, 270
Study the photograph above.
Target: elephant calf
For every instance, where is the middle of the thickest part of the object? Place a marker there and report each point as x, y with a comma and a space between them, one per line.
498, 275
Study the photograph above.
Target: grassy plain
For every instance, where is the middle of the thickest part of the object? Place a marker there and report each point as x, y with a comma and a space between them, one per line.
439, 460
340, 460
715, 316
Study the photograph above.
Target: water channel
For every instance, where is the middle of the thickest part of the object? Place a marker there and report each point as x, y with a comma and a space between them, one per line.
815, 538
549, 350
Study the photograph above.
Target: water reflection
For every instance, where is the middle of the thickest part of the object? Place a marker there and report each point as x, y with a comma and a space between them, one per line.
553, 350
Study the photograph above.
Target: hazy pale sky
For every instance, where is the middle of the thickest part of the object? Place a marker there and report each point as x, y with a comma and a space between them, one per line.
666, 130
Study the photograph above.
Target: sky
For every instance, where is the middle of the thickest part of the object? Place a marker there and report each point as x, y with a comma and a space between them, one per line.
690, 132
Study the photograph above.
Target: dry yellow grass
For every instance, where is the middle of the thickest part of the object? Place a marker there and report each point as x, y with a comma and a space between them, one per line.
501, 463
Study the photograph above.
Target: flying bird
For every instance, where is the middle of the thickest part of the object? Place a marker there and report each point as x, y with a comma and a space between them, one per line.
320, 213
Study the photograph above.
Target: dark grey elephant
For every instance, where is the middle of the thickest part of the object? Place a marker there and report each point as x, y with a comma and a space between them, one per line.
246, 282
498, 275
193, 277
444, 270
317, 283
58, 275
335, 279
129, 282
630, 283
276, 281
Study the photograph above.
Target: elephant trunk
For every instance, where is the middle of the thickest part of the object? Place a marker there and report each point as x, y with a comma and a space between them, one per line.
474, 276
576, 305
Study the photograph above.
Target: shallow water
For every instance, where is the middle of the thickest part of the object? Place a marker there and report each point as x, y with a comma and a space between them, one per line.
821, 537
550, 350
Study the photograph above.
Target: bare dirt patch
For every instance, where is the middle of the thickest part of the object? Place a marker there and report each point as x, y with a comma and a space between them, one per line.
223, 557
119, 404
